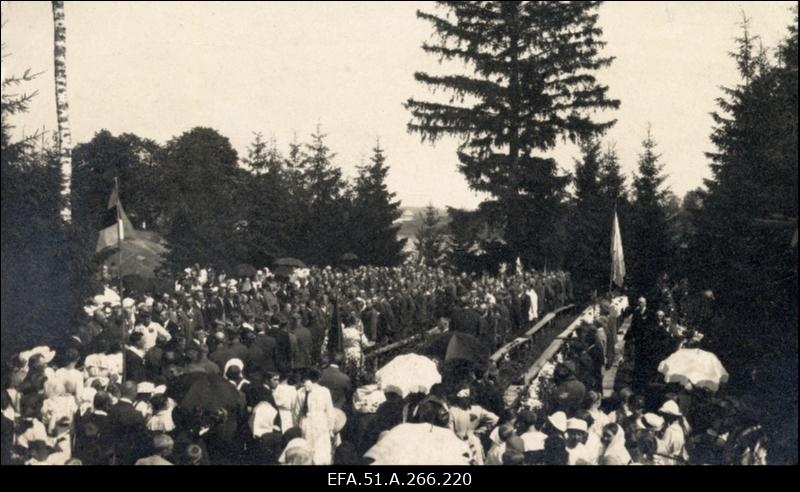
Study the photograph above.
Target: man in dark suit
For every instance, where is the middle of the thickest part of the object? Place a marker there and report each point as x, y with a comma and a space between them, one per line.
637, 340
338, 383
135, 367
284, 350
370, 319
94, 444
262, 353
304, 344
127, 427
465, 319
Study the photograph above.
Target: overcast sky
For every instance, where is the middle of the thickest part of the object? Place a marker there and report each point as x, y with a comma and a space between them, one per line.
159, 69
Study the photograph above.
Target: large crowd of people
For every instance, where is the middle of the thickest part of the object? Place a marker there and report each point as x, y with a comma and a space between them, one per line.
139, 381
260, 370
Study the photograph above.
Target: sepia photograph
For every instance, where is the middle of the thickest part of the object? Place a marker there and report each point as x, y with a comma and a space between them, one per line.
420, 235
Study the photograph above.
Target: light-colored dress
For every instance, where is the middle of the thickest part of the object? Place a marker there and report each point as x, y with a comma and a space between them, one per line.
317, 424
353, 342
161, 421
285, 396
671, 444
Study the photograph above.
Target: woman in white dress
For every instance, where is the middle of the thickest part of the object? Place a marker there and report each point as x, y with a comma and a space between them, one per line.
285, 396
353, 342
315, 416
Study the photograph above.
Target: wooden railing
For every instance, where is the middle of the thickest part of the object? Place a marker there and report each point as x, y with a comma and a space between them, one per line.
528, 335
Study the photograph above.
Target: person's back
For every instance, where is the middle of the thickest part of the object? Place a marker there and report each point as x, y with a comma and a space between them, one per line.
465, 320
570, 396
338, 383
304, 346
126, 425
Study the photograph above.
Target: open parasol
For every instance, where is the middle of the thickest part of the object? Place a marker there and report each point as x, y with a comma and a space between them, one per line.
692, 367
419, 444
407, 372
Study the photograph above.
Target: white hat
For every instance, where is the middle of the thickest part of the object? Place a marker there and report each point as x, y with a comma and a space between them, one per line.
464, 393
653, 421
577, 424
670, 408
248, 326
128, 303
145, 387
558, 420
160, 389
46, 352
234, 363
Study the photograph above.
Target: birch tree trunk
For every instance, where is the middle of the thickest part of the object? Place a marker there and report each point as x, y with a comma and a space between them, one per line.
62, 109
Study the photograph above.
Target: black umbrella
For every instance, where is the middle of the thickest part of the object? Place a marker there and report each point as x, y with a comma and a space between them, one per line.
453, 346
245, 270
136, 284
291, 262
349, 257
283, 271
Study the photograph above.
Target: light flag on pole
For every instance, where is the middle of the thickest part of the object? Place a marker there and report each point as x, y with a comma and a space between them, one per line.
115, 224
617, 256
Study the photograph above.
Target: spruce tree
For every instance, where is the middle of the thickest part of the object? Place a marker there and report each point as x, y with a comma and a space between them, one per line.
587, 258
650, 251
374, 214
529, 83
324, 229
429, 239
268, 208
743, 248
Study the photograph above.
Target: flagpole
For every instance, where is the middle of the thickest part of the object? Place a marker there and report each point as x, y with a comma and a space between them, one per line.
611, 250
119, 270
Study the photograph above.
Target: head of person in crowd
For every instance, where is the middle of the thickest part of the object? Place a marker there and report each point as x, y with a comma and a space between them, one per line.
137, 340
101, 402
555, 425
670, 412
577, 431
233, 370
163, 445
642, 446
129, 390
434, 410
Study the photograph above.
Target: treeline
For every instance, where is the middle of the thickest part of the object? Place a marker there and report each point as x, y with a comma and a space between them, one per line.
211, 206
214, 208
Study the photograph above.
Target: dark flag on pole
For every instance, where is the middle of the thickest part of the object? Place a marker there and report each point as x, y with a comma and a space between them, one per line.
617, 256
115, 225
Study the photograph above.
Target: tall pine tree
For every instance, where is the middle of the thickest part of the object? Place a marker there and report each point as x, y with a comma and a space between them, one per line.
429, 240
323, 232
743, 244
650, 251
374, 213
588, 225
529, 83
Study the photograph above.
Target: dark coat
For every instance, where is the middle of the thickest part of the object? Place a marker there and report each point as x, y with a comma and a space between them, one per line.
305, 344
127, 429
262, 354
370, 318
338, 383
570, 396
135, 368
466, 320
